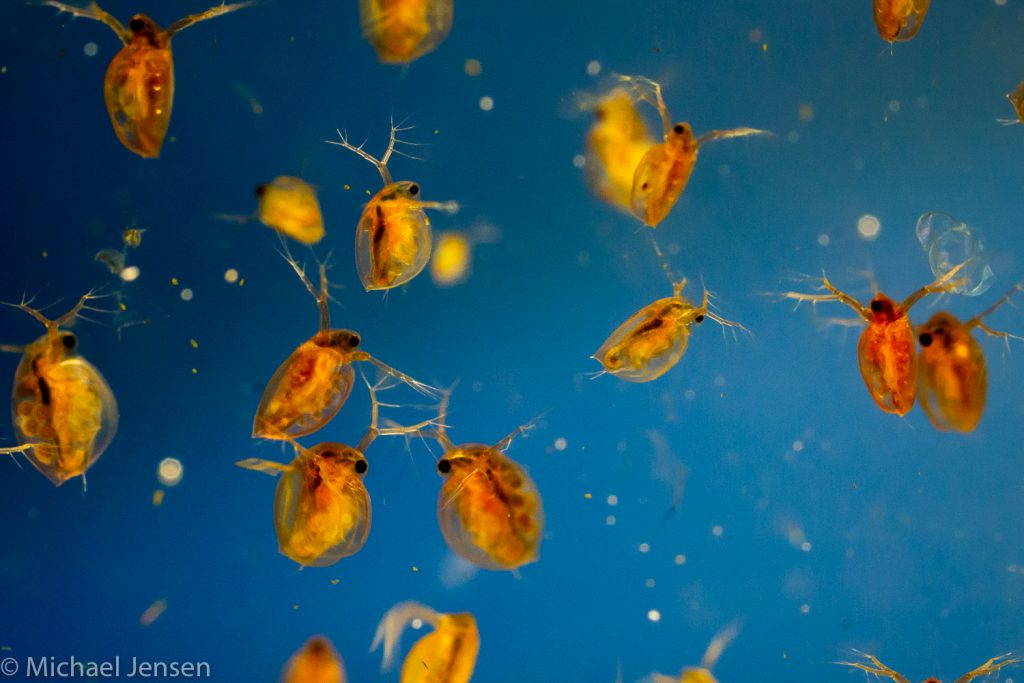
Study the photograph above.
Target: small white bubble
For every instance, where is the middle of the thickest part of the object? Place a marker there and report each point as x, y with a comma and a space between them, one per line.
894, 106
824, 239
610, 520
654, 615
649, 583
717, 530
674, 249
921, 101
186, 294
798, 446
621, 446
416, 623
231, 275
805, 608
593, 67
561, 443
679, 559
868, 227
806, 546
90, 49
644, 547
579, 161
613, 500
719, 380
793, 136
130, 274
689, 394
1000, 3
487, 103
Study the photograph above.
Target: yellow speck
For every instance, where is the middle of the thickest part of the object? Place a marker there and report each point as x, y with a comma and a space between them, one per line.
295, 607
472, 67
195, 371
46, 254
764, 48
122, 306
194, 343
335, 582
437, 131
785, 655
241, 282
3, 69
174, 281
588, 496
368, 193
158, 497
415, 568
347, 187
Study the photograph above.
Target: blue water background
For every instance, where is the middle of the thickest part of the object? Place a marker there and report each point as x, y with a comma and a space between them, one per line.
915, 536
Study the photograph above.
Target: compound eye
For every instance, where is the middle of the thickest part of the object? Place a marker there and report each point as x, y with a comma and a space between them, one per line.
876, 306
354, 340
679, 129
444, 466
136, 24
414, 190
699, 318
925, 339
361, 466
69, 341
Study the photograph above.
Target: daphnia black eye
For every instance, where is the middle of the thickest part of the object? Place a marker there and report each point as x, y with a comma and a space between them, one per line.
136, 24
261, 190
69, 341
361, 466
678, 128
876, 306
414, 190
353, 341
925, 339
444, 466
699, 318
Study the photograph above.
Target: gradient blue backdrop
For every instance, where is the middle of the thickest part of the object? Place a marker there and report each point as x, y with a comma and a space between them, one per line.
916, 552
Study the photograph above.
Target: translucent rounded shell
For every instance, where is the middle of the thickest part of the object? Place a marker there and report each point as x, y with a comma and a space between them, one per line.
451, 648
289, 205
139, 91
650, 342
697, 674
662, 175
954, 379
887, 355
393, 239
316, 662
948, 243
616, 144
403, 30
489, 509
321, 508
62, 405
306, 392
899, 20
1016, 98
